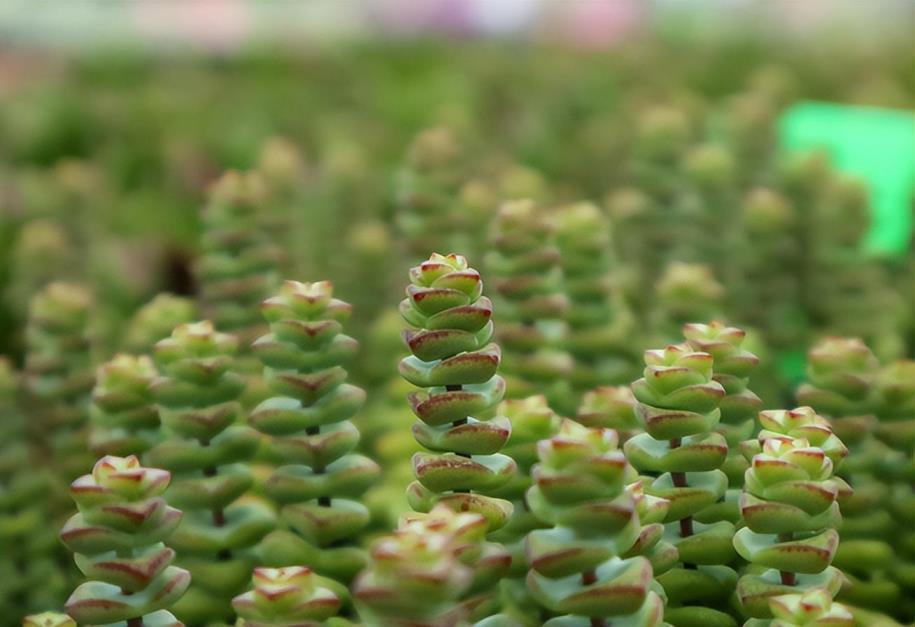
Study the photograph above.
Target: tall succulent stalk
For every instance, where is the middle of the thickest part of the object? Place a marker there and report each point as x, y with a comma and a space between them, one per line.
841, 375
238, 263
418, 575
30, 577
321, 477
896, 411
524, 264
59, 374
455, 363
684, 293
678, 401
118, 538
285, 597
207, 453
531, 420
790, 509
155, 321
579, 567
123, 417
732, 366
429, 214
600, 326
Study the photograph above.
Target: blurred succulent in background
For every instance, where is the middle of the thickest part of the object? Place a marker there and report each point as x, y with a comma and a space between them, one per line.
678, 401
320, 478
155, 321
207, 452
123, 417
524, 264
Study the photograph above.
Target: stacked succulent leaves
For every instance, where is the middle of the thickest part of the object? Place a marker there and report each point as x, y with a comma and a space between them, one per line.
790, 509
285, 597
207, 453
320, 478
840, 385
124, 419
896, 429
59, 374
418, 575
237, 268
678, 402
580, 569
456, 364
118, 538
524, 265
598, 320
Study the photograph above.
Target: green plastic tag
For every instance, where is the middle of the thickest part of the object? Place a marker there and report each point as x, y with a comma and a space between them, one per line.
877, 145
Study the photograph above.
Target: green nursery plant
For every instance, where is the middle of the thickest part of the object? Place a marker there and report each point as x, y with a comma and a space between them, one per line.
237, 268
600, 325
841, 375
123, 417
580, 568
285, 597
207, 451
155, 321
531, 420
48, 619
790, 509
525, 265
678, 402
896, 428
30, 575
732, 367
118, 538
320, 478
455, 363
418, 575
58, 374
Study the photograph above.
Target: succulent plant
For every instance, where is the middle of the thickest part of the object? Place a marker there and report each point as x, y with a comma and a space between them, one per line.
456, 363
31, 578
206, 451
790, 509
814, 607
579, 567
896, 410
238, 264
321, 479
419, 575
285, 597
123, 417
610, 407
524, 264
678, 401
685, 292
43, 252
732, 366
841, 375
531, 420
118, 538
48, 619
58, 375
599, 323
430, 215
155, 320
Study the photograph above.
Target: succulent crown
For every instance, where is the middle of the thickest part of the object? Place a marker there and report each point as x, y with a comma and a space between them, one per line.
285, 597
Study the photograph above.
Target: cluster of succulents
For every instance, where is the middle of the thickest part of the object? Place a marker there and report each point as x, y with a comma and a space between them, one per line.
523, 481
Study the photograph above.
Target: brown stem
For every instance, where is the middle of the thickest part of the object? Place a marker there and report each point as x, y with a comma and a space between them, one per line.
587, 578
219, 517
324, 501
135, 622
788, 578
459, 421
679, 481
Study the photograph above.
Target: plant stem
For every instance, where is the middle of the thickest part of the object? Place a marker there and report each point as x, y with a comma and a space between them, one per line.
460, 421
679, 481
135, 622
587, 578
788, 578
